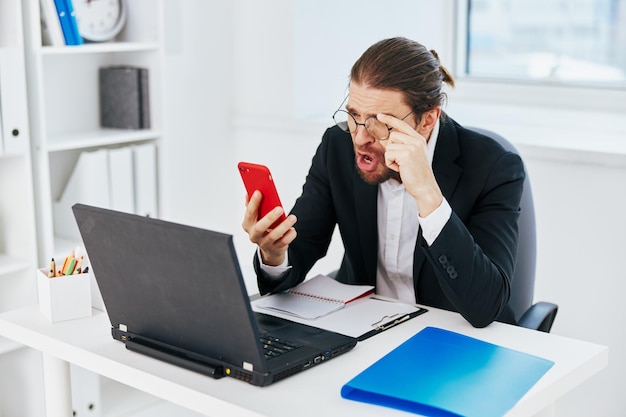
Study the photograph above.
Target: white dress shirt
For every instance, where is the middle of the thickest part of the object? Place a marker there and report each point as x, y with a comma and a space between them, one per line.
398, 225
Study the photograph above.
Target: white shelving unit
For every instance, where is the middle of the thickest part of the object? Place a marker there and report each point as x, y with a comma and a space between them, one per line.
18, 244
64, 111
18, 249
64, 104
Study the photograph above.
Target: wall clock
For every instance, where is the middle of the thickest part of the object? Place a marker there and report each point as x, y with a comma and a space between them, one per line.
99, 20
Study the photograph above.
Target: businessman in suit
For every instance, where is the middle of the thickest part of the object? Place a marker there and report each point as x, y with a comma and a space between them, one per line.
427, 210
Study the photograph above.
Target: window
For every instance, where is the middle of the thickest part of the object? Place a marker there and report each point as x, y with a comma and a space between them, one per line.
573, 42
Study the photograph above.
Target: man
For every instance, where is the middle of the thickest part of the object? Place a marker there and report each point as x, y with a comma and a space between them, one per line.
427, 210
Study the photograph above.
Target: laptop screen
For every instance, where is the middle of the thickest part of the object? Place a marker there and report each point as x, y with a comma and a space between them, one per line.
173, 283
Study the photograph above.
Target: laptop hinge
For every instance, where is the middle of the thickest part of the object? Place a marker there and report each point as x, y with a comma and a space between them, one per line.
145, 347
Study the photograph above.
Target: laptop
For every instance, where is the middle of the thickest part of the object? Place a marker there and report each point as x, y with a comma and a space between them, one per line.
176, 293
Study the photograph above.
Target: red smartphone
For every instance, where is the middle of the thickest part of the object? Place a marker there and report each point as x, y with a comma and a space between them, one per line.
258, 177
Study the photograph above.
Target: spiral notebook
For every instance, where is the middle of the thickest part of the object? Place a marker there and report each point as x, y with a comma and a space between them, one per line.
315, 297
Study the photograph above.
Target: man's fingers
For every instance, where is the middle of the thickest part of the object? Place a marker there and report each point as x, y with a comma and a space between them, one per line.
252, 209
395, 123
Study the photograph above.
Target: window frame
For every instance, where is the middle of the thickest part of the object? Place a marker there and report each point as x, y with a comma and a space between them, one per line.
538, 93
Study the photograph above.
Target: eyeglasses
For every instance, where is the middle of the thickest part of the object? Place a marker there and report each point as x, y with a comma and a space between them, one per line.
374, 127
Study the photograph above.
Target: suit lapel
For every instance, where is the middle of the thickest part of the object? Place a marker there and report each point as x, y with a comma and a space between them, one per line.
365, 201
447, 171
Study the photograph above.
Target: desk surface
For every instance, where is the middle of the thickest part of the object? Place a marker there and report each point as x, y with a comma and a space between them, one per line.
314, 392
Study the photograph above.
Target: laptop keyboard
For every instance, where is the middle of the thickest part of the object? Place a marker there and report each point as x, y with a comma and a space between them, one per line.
274, 347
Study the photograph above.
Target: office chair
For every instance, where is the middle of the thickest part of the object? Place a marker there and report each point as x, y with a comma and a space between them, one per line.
539, 316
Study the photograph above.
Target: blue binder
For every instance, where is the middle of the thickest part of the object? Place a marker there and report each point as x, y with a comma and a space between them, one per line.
67, 18
440, 373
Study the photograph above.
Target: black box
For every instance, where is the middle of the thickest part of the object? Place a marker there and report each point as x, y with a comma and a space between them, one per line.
124, 97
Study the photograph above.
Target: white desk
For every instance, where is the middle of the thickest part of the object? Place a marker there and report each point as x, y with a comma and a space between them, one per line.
314, 392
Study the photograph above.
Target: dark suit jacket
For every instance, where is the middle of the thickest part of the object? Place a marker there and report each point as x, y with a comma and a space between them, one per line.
468, 267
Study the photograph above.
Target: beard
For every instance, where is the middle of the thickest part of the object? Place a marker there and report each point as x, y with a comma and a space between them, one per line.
379, 175
375, 178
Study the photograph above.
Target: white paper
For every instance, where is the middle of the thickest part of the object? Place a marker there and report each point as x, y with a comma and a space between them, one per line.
356, 319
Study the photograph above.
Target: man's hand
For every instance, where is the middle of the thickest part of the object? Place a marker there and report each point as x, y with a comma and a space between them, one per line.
273, 243
406, 153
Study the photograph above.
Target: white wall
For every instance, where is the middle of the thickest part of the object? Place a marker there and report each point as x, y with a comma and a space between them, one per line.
250, 80
198, 107
581, 233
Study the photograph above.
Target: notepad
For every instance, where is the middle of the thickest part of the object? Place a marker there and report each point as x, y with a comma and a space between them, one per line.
361, 319
315, 297
442, 373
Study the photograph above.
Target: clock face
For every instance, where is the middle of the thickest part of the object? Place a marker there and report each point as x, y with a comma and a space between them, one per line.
99, 20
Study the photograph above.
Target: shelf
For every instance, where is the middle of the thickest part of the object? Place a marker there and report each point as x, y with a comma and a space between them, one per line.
99, 137
11, 265
64, 111
97, 48
8, 345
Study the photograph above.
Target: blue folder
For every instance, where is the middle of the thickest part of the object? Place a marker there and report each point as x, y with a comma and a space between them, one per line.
440, 373
67, 18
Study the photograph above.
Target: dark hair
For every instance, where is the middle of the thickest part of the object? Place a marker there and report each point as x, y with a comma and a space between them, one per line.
407, 66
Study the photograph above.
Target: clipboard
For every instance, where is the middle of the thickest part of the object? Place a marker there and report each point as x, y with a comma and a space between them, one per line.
387, 322
361, 319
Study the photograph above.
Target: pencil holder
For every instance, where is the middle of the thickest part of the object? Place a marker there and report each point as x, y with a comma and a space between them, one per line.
65, 297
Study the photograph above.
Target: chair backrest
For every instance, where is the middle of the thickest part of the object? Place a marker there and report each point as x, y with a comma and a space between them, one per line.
523, 280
